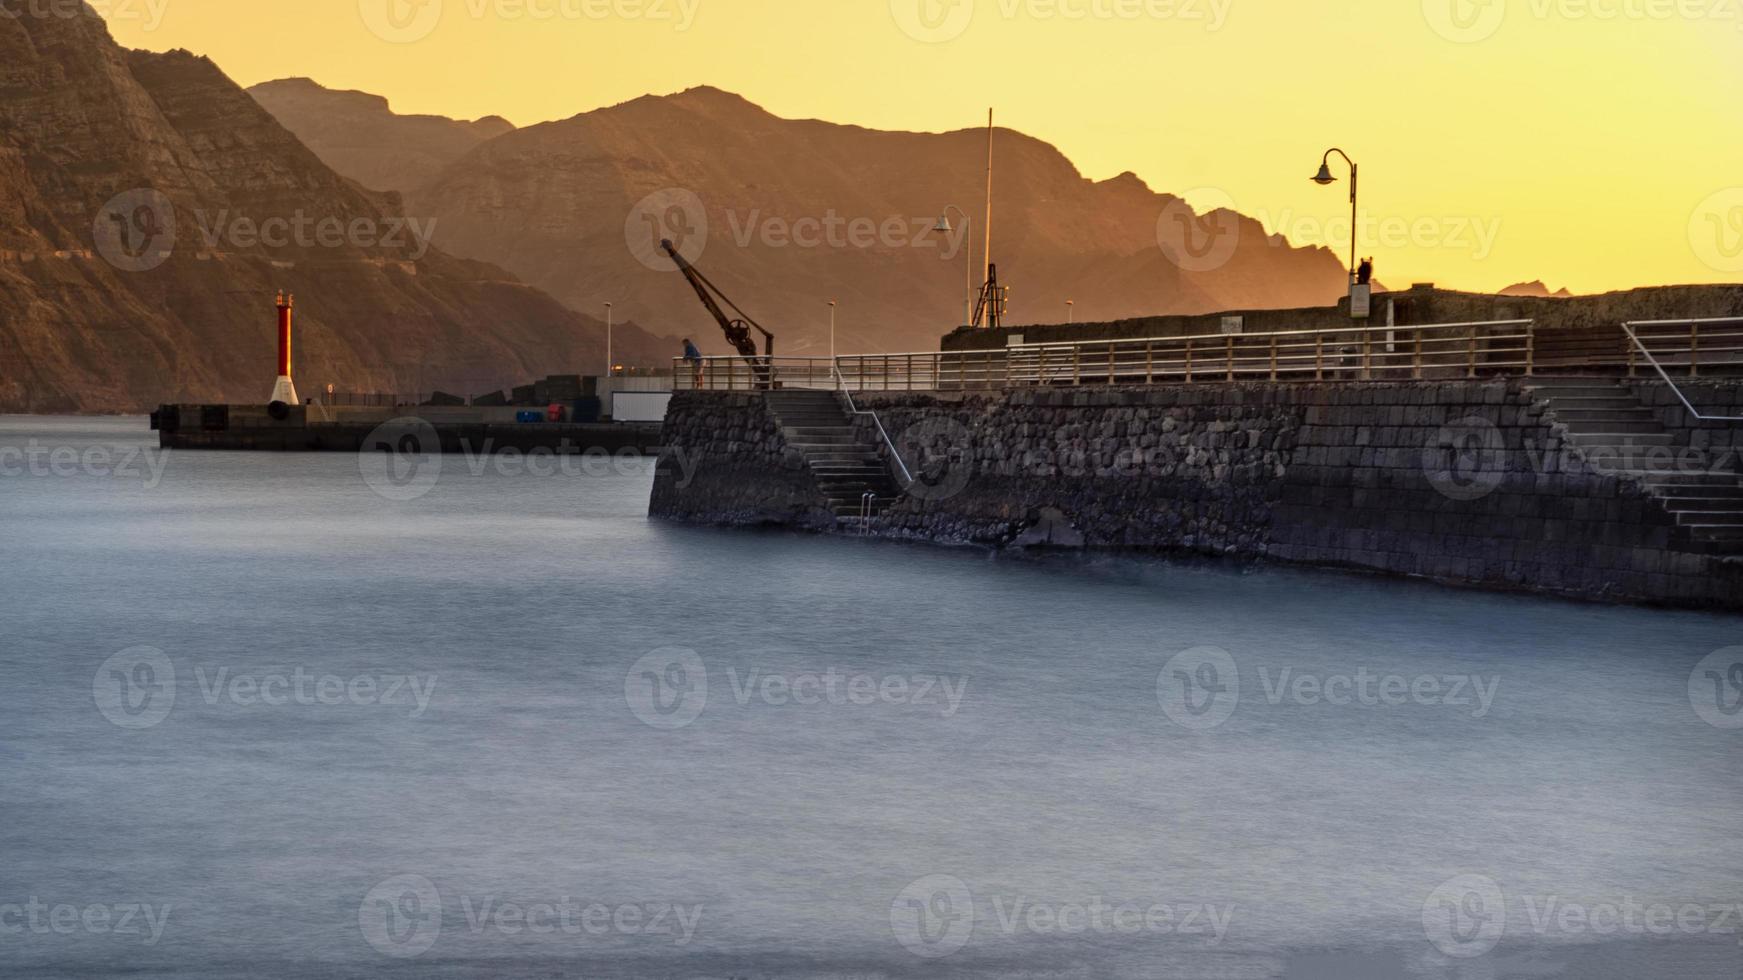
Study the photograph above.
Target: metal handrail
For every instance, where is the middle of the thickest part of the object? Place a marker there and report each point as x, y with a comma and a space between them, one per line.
853, 409
1354, 353
1397, 328
1628, 328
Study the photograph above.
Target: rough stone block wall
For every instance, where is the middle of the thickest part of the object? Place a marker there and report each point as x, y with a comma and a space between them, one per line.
1468, 483
1146, 468
741, 472
1722, 441
1462, 482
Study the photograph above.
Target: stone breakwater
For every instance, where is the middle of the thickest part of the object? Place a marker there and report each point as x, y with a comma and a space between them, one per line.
744, 472
1469, 483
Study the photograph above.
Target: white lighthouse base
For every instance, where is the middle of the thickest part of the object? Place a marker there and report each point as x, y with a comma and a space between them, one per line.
284, 390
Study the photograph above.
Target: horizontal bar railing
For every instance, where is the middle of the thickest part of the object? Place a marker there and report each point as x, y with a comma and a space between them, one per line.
1356, 353
1442, 350
1353, 353
1690, 344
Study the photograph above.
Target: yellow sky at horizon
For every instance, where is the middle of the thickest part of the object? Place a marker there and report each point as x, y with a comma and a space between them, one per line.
1592, 144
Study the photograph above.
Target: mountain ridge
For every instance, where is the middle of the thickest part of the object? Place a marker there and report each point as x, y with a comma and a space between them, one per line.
558, 203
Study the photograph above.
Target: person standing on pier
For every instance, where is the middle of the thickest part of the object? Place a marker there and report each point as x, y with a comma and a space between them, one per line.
694, 358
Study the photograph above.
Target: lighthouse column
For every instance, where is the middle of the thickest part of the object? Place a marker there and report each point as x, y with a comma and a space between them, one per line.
284, 390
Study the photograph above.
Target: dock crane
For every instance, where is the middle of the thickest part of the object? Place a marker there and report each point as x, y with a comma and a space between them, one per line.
737, 331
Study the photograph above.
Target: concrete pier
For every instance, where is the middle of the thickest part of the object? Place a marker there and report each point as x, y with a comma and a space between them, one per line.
314, 428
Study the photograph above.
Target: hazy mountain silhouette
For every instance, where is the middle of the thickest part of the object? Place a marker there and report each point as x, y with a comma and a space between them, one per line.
133, 187
360, 137
1533, 288
557, 203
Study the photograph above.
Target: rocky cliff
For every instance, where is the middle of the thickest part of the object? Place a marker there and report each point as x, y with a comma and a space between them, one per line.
786, 215
149, 209
361, 137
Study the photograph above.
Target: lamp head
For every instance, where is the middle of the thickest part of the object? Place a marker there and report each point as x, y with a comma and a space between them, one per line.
1324, 176
943, 225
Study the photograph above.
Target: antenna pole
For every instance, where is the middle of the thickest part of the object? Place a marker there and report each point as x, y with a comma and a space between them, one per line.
987, 249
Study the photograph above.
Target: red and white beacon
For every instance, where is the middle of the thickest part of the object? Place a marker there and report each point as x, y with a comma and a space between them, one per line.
284, 390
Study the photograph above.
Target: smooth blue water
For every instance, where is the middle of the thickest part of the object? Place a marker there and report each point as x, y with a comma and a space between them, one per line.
527, 607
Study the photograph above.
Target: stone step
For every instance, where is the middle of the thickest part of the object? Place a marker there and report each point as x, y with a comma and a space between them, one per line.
1703, 504
822, 439
1657, 479
1726, 487
1607, 402
803, 400
812, 421
844, 467
1711, 520
1556, 391
1621, 440
831, 448
1647, 426
1726, 533
1631, 413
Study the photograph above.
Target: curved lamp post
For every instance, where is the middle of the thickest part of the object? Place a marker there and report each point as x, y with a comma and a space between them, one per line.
608, 370
943, 227
1324, 177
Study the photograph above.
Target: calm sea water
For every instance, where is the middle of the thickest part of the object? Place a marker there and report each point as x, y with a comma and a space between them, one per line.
258, 719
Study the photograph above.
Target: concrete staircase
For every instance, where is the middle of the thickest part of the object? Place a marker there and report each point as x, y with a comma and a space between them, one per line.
846, 469
1608, 423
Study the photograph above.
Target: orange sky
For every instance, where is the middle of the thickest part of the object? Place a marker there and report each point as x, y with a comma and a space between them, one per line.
1594, 144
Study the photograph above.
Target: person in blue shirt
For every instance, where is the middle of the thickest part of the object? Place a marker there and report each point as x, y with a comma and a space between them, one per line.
694, 357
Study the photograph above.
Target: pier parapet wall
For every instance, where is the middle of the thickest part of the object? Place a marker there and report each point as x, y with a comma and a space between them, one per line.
742, 471
1464, 482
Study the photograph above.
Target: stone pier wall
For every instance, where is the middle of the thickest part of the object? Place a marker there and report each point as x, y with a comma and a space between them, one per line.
1722, 440
1465, 483
737, 470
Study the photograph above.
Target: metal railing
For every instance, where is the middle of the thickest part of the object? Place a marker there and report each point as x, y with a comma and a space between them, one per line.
895, 454
1690, 344
1441, 350
738, 373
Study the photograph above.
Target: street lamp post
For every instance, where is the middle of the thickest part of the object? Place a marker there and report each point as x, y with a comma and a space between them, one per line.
1070, 311
832, 335
1323, 178
608, 370
943, 227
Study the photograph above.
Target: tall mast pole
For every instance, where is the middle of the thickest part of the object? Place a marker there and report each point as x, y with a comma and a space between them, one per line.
987, 249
